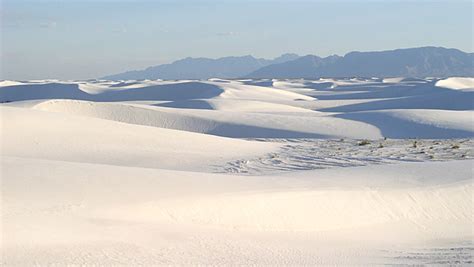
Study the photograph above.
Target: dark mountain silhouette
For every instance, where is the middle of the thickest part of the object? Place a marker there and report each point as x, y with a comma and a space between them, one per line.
411, 62
202, 68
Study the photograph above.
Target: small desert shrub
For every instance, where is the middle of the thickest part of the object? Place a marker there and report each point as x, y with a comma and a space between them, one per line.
415, 144
455, 146
380, 145
363, 142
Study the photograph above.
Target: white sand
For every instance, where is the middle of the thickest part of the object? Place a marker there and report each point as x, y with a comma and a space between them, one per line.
456, 83
110, 173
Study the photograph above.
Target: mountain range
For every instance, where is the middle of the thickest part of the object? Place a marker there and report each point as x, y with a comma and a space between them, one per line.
410, 62
203, 68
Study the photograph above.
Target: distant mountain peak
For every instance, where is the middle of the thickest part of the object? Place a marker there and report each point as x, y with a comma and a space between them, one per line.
286, 57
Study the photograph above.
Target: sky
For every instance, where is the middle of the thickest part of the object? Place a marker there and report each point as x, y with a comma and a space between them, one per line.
72, 39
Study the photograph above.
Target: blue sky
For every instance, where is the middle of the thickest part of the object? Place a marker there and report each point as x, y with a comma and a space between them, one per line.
88, 39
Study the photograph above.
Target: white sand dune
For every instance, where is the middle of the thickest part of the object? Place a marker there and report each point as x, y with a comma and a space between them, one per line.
240, 105
456, 83
418, 123
405, 98
120, 215
222, 123
9, 83
37, 134
237, 90
158, 173
96, 92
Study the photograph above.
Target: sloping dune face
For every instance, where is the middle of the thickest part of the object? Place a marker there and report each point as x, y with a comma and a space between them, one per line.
47, 135
237, 172
94, 92
456, 83
116, 215
226, 123
325, 108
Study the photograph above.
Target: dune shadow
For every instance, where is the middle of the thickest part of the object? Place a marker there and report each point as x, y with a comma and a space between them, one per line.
250, 131
318, 86
165, 92
263, 83
187, 104
42, 91
122, 84
444, 99
399, 128
382, 91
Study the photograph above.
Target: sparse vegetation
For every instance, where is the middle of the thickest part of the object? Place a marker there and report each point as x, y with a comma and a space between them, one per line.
363, 143
455, 146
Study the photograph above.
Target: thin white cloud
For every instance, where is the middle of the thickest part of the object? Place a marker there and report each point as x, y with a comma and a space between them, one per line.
48, 24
